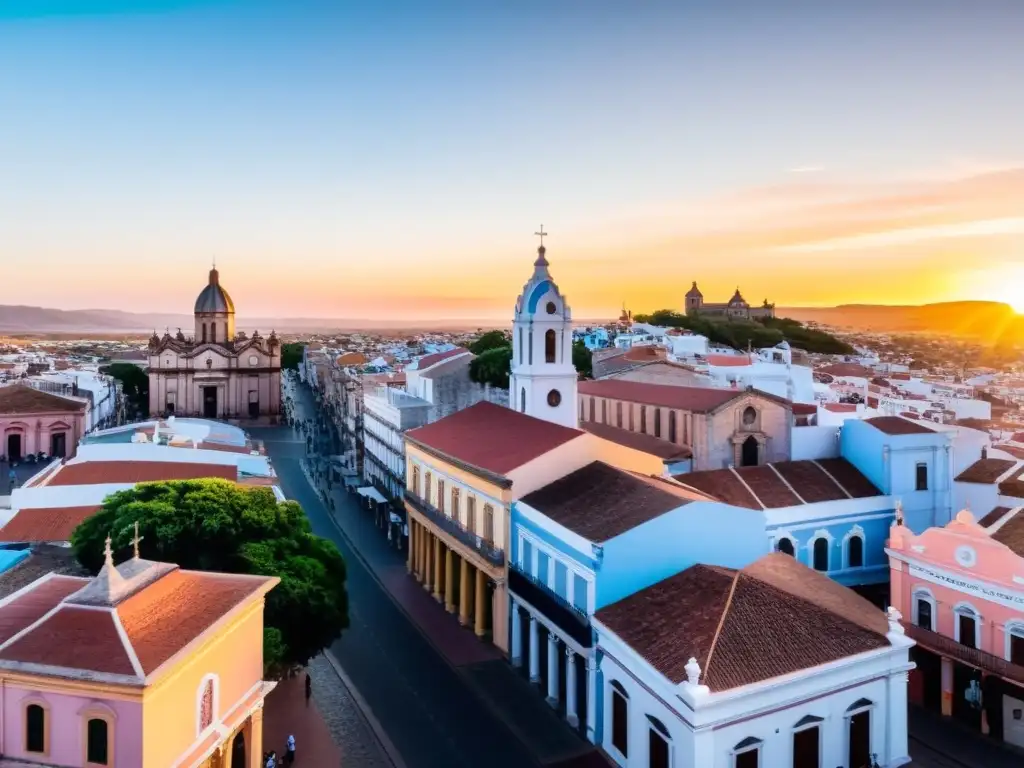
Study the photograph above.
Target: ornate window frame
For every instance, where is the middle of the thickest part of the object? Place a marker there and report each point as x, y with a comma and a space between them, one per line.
821, 533
855, 532
806, 723
658, 727
964, 608
97, 711
780, 536
38, 701
918, 593
215, 679
615, 688
749, 744
1012, 628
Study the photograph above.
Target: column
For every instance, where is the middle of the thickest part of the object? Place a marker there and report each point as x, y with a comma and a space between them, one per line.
592, 694
411, 557
534, 651
896, 733
428, 561
464, 569
552, 669
947, 686
420, 531
570, 688
481, 591
517, 638
437, 569
254, 744
449, 587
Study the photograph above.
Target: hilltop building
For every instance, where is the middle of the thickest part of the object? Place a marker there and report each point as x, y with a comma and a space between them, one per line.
736, 308
218, 373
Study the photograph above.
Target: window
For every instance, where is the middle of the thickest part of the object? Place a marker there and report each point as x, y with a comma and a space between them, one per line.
96, 742
35, 728
671, 426
530, 341
426, 494
455, 503
213, 333
520, 345
416, 481
620, 719
921, 483
591, 408
855, 552
859, 714
821, 554
604, 411
747, 753
785, 546
924, 613
551, 309
967, 625
488, 523
807, 743
632, 428
643, 419
618, 414
561, 578
579, 592
1015, 641
206, 707
204, 333
658, 751
522, 400
657, 422
471, 514
749, 416
554, 398
440, 496
550, 342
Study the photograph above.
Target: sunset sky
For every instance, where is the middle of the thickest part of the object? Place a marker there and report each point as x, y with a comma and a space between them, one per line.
392, 159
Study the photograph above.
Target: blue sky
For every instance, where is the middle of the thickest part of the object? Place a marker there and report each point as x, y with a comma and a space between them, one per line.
338, 158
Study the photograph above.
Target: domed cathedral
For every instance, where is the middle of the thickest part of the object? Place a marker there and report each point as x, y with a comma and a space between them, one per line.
218, 373
543, 380
736, 307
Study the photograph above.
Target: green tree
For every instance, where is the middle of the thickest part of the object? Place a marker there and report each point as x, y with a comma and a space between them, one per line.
291, 355
134, 384
489, 340
216, 525
492, 367
583, 360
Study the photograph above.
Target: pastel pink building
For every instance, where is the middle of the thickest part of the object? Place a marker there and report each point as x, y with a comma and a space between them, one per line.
38, 422
961, 591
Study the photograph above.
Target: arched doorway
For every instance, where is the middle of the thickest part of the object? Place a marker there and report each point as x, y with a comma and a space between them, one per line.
749, 452
14, 446
238, 751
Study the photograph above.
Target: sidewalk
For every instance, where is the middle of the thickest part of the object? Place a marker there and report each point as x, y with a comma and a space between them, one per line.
287, 712
942, 741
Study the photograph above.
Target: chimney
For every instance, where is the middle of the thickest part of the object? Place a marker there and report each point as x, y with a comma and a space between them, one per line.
984, 451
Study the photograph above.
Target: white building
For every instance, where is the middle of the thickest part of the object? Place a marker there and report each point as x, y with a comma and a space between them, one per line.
387, 414
101, 393
442, 379
771, 666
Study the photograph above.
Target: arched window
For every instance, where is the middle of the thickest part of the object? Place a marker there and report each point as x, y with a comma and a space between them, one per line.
855, 552
620, 718
97, 742
749, 416
213, 333
807, 741
923, 608
1015, 642
643, 419
35, 729
747, 754
657, 422
659, 744
550, 344
416, 480
529, 337
785, 546
618, 414
671, 426
520, 346
204, 333
522, 400
820, 554
968, 625
859, 715
206, 707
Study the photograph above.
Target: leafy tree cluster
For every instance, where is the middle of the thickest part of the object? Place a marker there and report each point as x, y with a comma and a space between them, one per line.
216, 525
291, 355
134, 384
759, 333
488, 341
494, 366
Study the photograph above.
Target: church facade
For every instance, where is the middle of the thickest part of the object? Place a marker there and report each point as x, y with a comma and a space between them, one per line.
736, 307
218, 373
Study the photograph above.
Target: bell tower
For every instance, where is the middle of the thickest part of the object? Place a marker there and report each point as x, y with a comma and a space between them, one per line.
543, 381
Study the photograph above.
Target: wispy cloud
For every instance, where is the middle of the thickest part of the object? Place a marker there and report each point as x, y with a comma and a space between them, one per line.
911, 235
807, 169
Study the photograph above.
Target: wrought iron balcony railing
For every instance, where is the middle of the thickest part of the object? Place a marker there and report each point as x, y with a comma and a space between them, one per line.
472, 540
570, 619
947, 646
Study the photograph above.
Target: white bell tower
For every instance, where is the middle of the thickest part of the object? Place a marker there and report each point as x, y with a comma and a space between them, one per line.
543, 381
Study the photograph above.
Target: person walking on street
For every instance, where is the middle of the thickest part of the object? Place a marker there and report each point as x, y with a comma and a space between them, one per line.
309, 688
289, 751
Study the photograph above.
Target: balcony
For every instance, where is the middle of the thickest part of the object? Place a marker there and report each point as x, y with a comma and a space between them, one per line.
571, 620
949, 647
456, 529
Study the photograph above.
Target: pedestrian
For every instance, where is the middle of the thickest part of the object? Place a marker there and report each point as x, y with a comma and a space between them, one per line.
309, 688
289, 751
271, 762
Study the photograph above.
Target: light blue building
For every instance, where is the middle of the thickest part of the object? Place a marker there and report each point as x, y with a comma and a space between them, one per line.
593, 338
590, 539
906, 460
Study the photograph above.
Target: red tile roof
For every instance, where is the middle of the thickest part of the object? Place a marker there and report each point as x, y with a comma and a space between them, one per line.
1014, 450
805, 409
638, 441
852, 370
491, 437
773, 618
986, 471
992, 517
841, 407
98, 472
18, 399
729, 361
28, 606
46, 524
896, 425
74, 638
694, 399
428, 360
1011, 533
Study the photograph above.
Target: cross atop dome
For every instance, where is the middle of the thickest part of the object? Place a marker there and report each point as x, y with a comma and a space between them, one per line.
541, 250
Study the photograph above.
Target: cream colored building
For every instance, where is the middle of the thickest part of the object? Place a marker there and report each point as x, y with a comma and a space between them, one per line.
218, 373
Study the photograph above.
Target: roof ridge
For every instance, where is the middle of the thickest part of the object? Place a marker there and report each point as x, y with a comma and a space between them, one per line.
830, 476
1007, 517
126, 643
749, 489
787, 483
721, 623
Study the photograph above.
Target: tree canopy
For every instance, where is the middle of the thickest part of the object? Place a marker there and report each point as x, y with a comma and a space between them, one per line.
291, 355
492, 367
216, 525
487, 341
583, 360
134, 383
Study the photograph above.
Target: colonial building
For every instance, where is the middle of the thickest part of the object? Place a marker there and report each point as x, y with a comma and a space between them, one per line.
721, 427
736, 308
218, 373
145, 664
768, 666
32, 422
960, 587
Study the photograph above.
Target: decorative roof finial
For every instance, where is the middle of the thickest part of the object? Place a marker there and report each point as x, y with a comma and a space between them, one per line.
108, 554
136, 540
692, 671
899, 512
541, 260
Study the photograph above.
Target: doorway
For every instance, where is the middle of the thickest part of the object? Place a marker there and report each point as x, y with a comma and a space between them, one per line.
238, 751
59, 444
749, 452
254, 405
210, 402
14, 447
860, 740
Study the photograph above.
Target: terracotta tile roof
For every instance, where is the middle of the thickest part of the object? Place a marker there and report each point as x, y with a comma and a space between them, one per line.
97, 472
841, 407
1011, 534
729, 361
895, 425
428, 360
20, 399
1014, 450
600, 502
773, 618
693, 399
770, 490
1012, 486
638, 441
492, 437
986, 471
805, 409
46, 524
206, 445
721, 484
810, 481
992, 517
18, 611
1018, 437
351, 358
74, 638
853, 370
645, 353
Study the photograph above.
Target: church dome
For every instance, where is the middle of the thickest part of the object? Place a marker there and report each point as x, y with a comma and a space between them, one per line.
214, 298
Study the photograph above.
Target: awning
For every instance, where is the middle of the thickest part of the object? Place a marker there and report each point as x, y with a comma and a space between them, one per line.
372, 494
350, 480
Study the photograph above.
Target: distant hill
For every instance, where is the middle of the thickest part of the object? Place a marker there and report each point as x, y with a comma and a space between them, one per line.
984, 320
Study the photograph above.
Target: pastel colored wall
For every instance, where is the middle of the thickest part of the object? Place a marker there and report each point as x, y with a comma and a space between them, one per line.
35, 431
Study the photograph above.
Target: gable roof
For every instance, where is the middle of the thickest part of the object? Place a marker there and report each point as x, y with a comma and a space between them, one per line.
782, 484
773, 618
433, 359
693, 399
638, 441
491, 437
985, 471
46, 524
98, 472
897, 425
600, 502
18, 399
1011, 533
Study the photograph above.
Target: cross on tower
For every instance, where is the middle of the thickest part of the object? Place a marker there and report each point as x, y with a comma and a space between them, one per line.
541, 234
136, 540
